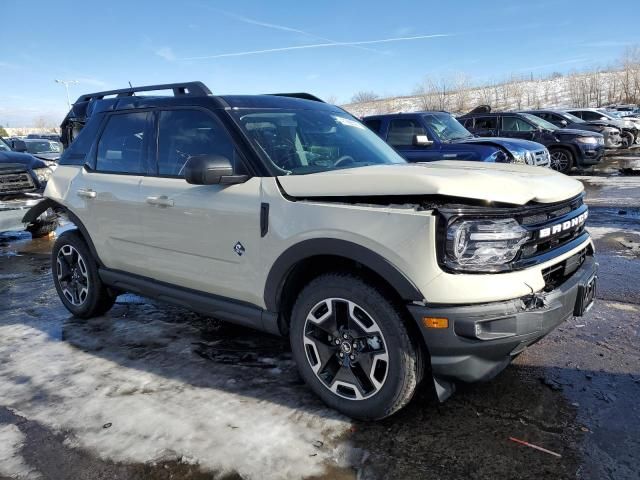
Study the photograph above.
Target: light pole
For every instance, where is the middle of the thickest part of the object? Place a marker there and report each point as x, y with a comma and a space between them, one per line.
66, 84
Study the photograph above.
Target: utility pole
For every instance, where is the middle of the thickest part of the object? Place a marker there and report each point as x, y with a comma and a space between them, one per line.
66, 84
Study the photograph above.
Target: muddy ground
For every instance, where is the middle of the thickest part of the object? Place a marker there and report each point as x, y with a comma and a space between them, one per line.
156, 392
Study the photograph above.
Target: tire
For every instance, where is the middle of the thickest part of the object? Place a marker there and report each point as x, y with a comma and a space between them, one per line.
381, 364
41, 229
628, 139
75, 275
562, 160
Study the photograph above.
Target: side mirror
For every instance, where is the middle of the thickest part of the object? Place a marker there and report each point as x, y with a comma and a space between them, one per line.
211, 170
604, 118
19, 146
421, 141
564, 123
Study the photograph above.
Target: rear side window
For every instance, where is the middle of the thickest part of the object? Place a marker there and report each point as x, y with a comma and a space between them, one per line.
589, 115
401, 132
374, 125
121, 146
486, 123
183, 133
515, 124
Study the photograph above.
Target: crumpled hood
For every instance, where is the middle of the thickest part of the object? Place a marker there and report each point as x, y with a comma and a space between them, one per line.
504, 183
511, 144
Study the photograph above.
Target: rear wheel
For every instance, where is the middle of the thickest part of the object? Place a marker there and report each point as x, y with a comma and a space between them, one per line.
561, 160
75, 275
352, 347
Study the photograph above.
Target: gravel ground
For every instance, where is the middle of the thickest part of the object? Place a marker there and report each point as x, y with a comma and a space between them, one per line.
156, 392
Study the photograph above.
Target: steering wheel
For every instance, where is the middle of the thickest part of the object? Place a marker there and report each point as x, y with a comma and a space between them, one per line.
344, 159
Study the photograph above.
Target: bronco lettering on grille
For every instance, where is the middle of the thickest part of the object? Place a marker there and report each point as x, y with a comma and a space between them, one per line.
564, 226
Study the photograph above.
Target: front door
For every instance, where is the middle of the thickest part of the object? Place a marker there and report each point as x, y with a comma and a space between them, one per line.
202, 237
400, 136
516, 127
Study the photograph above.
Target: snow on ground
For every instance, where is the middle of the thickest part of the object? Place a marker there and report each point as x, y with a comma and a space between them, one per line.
131, 389
12, 464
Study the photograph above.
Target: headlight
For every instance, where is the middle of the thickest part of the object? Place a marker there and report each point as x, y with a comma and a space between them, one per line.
587, 140
519, 157
483, 245
43, 174
498, 157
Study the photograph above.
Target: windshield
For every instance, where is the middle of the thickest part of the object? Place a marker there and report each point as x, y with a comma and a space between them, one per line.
4, 147
299, 142
538, 122
445, 127
43, 146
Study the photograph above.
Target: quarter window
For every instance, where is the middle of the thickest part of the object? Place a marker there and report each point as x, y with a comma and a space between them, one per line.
374, 125
401, 132
121, 146
185, 133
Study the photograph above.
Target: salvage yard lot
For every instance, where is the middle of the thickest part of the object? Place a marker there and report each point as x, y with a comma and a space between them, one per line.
151, 391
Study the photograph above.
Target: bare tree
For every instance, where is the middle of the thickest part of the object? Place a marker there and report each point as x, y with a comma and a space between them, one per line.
364, 96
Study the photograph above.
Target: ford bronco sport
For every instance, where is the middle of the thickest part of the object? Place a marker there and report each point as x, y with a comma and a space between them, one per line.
288, 215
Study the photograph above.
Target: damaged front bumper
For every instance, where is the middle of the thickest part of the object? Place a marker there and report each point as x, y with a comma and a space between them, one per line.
481, 340
13, 210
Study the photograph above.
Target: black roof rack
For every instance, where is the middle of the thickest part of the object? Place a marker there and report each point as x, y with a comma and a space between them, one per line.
302, 95
189, 88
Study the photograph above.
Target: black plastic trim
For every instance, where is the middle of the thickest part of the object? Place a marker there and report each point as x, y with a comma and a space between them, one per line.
223, 308
334, 247
264, 219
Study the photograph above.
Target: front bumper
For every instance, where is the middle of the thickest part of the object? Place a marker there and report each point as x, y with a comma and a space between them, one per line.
506, 329
13, 210
590, 155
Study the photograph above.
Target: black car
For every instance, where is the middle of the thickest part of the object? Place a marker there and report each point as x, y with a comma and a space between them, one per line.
22, 180
562, 119
568, 148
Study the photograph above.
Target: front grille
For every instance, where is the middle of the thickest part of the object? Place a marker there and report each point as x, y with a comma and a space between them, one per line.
557, 274
541, 223
542, 157
15, 182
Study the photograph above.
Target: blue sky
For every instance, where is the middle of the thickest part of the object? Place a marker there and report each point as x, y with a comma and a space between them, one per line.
329, 48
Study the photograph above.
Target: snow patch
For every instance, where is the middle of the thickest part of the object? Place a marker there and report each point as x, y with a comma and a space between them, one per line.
12, 464
224, 424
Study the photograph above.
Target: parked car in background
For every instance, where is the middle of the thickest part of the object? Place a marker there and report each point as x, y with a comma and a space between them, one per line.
48, 136
568, 148
44, 149
629, 130
22, 181
562, 119
430, 136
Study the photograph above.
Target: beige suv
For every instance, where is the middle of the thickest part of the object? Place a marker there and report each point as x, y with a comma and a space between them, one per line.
286, 214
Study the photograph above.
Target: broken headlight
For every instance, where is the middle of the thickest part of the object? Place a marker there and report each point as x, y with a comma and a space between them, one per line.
43, 174
483, 245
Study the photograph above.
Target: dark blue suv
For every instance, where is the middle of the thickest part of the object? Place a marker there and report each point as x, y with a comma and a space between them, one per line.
430, 136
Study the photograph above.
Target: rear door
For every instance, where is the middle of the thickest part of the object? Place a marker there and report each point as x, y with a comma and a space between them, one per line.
107, 192
485, 126
202, 237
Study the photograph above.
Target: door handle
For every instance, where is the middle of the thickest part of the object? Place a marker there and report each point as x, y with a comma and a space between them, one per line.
160, 201
86, 193
450, 155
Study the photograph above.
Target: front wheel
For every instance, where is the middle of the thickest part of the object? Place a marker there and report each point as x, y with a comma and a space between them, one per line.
352, 347
561, 160
75, 275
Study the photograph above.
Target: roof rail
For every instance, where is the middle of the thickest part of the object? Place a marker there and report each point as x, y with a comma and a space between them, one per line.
188, 88
302, 95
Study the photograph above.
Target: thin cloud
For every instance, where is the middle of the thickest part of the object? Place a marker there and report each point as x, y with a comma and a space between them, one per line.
283, 28
321, 45
555, 64
166, 53
606, 44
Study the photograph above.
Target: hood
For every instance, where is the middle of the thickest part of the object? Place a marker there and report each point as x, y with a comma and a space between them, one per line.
25, 159
49, 157
495, 182
575, 132
511, 144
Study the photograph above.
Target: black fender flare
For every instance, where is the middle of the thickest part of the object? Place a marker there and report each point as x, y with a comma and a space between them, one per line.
34, 212
341, 248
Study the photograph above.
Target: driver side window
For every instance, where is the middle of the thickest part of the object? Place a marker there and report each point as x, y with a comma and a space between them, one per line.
183, 133
402, 131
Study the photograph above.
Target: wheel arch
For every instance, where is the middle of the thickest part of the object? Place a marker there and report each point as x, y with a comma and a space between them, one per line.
306, 260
